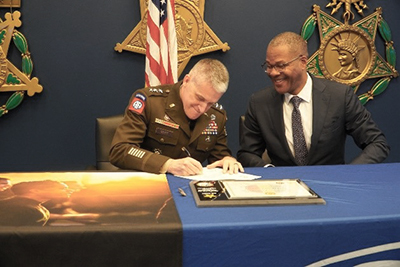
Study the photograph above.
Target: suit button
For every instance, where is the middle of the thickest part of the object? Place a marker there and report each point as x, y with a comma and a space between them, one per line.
162, 140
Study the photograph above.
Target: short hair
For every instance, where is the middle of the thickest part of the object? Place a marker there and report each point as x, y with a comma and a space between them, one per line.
294, 41
211, 71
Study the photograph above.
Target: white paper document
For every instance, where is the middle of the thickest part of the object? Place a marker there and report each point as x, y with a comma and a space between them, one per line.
216, 174
267, 188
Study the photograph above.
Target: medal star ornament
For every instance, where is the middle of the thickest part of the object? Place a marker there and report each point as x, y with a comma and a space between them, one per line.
194, 36
11, 78
347, 52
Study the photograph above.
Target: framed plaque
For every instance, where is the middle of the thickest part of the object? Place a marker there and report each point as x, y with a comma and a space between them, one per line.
253, 192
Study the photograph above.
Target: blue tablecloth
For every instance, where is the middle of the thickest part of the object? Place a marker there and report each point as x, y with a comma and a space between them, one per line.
360, 222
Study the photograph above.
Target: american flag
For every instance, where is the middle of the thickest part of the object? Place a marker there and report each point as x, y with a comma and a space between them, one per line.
161, 45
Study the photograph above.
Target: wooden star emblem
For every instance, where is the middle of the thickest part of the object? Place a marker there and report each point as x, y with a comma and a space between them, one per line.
194, 36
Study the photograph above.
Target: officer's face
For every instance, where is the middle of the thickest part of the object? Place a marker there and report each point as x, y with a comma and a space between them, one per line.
197, 98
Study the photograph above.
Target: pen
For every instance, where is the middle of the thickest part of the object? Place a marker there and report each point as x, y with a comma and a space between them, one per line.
184, 149
182, 192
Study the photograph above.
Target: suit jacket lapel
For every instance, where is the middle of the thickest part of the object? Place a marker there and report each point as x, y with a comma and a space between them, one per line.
276, 113
320, 107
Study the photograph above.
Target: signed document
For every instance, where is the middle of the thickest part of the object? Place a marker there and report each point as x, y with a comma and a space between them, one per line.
285, 188
216, 174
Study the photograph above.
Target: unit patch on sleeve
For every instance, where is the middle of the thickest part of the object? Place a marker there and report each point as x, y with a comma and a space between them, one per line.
138, 103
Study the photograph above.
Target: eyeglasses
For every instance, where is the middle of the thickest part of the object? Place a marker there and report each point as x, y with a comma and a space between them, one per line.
278, 67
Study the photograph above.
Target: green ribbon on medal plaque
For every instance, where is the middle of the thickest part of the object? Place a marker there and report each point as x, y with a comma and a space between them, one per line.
11, 78
357, 41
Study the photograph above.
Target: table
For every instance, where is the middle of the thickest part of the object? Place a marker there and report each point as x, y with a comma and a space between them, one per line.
360, 222
88, 219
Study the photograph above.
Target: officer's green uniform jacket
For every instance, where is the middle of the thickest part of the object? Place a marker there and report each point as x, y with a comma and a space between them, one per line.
155, 129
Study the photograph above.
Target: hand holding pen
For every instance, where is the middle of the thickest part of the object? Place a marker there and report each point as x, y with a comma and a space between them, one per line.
184, 166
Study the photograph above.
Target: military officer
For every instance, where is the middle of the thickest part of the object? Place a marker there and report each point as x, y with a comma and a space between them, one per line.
175, 128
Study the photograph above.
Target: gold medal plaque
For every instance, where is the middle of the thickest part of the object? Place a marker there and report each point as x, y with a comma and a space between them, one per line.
10, 3
347, 55
194, 36
347, 52
13, 79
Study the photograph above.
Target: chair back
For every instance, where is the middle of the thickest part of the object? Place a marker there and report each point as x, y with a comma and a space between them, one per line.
105, 129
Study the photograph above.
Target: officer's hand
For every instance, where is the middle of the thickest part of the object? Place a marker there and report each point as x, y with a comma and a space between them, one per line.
185, 166
228, 164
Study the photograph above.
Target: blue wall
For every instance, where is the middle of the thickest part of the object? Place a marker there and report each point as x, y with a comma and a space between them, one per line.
72, 45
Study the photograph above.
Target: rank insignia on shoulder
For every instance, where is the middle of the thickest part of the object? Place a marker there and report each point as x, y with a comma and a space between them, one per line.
218, 106
156, 90
138, 103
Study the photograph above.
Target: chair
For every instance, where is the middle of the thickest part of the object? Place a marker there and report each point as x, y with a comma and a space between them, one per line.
264, 156
105, 129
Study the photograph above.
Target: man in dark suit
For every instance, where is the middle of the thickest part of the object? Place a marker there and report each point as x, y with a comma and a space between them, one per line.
329, 111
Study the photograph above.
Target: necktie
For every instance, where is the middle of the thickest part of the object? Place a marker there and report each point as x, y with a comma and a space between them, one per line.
299, 142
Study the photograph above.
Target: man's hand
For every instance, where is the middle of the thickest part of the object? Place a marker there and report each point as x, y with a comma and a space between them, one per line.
185, 166
228, 164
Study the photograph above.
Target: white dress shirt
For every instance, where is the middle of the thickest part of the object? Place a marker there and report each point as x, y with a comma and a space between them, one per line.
306, 114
